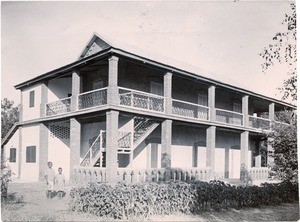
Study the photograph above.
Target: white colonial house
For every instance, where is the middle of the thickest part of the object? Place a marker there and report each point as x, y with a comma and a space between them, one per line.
117, 115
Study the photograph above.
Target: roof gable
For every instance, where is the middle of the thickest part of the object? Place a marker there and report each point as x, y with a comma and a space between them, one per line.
96, 44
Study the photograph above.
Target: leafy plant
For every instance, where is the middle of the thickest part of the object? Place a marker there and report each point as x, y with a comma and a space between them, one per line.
136, 201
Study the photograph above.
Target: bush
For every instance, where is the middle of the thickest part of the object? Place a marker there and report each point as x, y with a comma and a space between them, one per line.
144, 199
5, 179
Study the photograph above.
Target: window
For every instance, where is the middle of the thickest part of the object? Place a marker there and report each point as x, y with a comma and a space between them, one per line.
12, 155
31, 99
30, 154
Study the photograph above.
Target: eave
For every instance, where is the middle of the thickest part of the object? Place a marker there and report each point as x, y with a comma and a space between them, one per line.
120, 52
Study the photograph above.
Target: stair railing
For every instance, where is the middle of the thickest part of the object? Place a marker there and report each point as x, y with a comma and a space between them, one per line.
92, 151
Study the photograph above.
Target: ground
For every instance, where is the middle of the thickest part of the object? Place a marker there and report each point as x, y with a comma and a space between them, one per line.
34, 206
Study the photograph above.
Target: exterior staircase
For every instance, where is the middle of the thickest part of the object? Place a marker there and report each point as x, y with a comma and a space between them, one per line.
95, 156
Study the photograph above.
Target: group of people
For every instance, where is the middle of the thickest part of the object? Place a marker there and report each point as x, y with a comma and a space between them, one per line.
54, 181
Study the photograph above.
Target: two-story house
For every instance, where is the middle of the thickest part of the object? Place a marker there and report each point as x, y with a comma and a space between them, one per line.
117, 115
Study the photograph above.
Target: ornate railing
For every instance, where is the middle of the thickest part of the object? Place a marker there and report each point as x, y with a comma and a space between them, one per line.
58, 107
190, 110
93, 151
141, 100
229, 117
259, 122
259, 173
93, 98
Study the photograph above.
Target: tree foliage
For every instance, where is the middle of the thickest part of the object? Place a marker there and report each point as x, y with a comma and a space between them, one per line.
283, 139
9, 116
283, 50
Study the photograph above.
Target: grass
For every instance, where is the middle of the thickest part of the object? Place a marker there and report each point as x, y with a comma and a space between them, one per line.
28, 202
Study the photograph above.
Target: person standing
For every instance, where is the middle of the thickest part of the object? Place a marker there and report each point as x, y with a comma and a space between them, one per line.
49, 177
60, 181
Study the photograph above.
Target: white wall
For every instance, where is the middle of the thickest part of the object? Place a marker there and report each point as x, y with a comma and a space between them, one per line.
59, 88
181, 156
58, 148
30, 137
13, 143
31, 112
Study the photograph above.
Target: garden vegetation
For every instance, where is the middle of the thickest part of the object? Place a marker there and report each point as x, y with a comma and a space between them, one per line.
131, 201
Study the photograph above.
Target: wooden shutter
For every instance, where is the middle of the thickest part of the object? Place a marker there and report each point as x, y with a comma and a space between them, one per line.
12, 155
31, 99
30, 154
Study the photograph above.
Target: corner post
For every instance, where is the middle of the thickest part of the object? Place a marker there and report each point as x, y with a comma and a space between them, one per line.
245, 109
166, 145
210, 146
75, 89
112, 89
43, 147
244, 148
75, 140
168, 92
211, 103
44, 98
112, 122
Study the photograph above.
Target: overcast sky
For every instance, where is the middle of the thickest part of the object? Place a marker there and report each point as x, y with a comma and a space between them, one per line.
222, 37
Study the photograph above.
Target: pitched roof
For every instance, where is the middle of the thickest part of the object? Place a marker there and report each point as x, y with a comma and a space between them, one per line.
99, 46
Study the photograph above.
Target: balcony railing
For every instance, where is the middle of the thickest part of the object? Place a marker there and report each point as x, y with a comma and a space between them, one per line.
141, 100
259, 122
190, 110
229, 117
93, 98
58, 107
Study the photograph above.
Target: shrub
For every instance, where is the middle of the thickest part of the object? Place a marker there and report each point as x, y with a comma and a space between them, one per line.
144, 199
5, 179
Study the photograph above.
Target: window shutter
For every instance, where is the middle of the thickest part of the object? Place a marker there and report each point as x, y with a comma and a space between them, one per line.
30, 154
31, 99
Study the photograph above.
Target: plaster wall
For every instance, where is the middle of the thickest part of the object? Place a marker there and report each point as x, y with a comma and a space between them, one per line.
30, 113
30, 137
13, 143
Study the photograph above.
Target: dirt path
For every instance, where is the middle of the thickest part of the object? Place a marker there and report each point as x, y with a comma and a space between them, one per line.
36, 207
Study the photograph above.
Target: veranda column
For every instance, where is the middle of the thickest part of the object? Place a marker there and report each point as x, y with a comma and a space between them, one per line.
244, 148
75, 137
20, 153
210, 147
272, 112
168, 92
112, 89
270, 149
166, 144
211, 103
44, 98
112, 121
75, 90
43, 150
245, 109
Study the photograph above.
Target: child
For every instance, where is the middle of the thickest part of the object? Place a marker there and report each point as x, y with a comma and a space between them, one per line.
60, 181
49, 176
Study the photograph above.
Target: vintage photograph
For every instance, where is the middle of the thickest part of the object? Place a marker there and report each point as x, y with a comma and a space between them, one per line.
149, 111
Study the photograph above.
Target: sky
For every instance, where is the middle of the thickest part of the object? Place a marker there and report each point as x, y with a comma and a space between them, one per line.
221, 38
